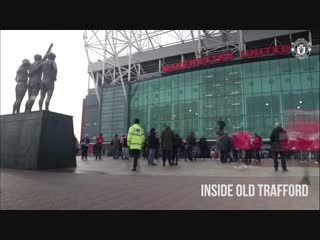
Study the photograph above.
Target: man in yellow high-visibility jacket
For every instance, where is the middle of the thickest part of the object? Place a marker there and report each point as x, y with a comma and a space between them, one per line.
135, 141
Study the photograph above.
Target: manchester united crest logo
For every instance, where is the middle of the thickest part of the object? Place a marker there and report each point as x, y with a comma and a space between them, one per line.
301, 48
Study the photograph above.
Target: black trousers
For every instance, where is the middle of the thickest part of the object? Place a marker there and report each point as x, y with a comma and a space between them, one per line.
98, 151
175, 155
223, 156
84, 152
203, 153
283, 160
136, 155
189, 153
248, 156
257, 153
166, 154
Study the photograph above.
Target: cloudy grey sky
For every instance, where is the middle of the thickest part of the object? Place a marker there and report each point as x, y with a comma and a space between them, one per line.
72, 79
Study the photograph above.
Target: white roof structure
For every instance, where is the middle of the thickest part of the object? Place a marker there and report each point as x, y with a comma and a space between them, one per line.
118, 53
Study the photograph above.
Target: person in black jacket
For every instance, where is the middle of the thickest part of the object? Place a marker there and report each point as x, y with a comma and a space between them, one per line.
176, 147
225, 145
152, 144
279, 142
203, 144
191, 143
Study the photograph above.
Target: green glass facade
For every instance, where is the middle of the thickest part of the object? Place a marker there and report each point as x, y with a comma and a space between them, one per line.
114, 112
250, 96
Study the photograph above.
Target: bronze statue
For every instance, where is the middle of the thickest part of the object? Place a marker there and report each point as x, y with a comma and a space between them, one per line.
49, 71
21, 87
34, 83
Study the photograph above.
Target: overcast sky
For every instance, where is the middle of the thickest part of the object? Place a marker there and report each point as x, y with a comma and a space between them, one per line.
72, 79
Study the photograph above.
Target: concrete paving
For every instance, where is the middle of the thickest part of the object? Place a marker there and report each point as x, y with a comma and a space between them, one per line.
110, 185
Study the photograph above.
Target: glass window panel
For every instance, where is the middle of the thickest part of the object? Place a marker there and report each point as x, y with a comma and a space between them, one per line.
257, 84
195, 77
275, 83
150, 98
304, 65
294, 65
180, 112
229, 72
169, 82
156, 84
236, 71
187, 79
188, 92
150, 85
162, 83
181, 94
248, 85
274, 67
220, 75
255, 69
284, 66
316, 96
295, 81
314, 63
175, 94
174, 80
275, 104
266, 84
195, 110
229, 88
315, 79
145, 86
180, 78
168, 95
307, 101
175, 110
188, 126
286, 81
195, 92
204, 72
156, 97
220, 110
218, 89
306, 80
266, 105
246, 70
162, 96
265, 68
145, 99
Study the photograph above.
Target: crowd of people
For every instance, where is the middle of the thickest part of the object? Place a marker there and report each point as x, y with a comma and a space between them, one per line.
171, 147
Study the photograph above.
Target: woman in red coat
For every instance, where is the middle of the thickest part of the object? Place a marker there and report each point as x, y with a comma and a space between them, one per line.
257, 146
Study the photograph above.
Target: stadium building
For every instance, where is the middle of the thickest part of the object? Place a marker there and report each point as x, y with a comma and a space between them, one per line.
188, 79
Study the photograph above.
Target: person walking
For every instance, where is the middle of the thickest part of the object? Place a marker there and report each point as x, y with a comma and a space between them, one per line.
279, 142
99, 141
248, 147
203, 144
167, 139
84, 147
225, 146
125, 149
115, 146
191, 143
152, 146
135, 141
176, 148
236, 144
257, 147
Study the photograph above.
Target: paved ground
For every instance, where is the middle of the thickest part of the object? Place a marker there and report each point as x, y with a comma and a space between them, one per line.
109, 184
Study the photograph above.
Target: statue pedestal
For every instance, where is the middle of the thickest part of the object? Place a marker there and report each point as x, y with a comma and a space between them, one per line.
37, 140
